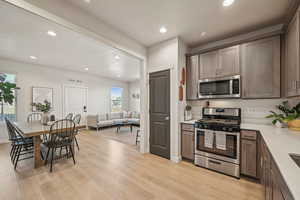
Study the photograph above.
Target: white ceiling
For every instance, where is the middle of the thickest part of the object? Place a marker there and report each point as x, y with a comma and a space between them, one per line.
141, 19
23, 34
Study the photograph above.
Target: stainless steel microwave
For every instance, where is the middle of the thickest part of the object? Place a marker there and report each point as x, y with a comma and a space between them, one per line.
228, 87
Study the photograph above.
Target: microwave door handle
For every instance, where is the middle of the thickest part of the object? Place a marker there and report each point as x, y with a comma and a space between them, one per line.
230, 87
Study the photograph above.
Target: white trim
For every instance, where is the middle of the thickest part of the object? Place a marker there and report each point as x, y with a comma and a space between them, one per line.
160, 68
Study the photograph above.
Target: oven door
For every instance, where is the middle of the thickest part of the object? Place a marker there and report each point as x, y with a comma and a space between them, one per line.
232, 152
228, 87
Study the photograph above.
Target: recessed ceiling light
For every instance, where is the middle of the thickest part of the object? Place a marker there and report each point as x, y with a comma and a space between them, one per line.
118, 76
163, 29
86, 69
203, 34
117, 57
33, 57
51, 33
87, 1
227, 3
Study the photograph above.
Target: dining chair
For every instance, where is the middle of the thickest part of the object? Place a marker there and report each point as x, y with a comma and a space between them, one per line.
34, 117
77, 120
61, 137
137, 136
69, 116
21, 146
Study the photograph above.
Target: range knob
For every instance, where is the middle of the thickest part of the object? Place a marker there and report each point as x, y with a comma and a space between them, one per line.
230, 129
224, 128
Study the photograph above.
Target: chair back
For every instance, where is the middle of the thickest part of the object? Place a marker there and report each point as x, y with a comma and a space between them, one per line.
69, 116
34, 117
62, 132
10, 130
13, 132
77, 119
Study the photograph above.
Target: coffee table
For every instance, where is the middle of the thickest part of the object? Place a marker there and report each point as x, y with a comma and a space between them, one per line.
121, 124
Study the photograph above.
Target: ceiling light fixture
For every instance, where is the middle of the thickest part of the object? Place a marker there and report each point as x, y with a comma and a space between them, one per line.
117, 57
227, 3
51, 33
87, 1
118, 76
203, 34
86, 69
163, 29
33, 57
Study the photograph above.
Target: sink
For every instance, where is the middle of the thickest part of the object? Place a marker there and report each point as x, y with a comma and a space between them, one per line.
296, 158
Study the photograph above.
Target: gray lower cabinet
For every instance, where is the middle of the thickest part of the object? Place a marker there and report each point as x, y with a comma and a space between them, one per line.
192, 77
292, 57
273, 183
187, 141
249, 153
261, 68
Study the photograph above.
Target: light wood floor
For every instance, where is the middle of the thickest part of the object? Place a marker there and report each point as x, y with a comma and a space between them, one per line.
107, 169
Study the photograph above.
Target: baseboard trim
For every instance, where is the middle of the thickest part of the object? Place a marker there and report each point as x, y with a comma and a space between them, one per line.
176, 159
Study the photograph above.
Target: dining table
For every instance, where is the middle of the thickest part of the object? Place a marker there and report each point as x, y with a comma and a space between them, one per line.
36, 130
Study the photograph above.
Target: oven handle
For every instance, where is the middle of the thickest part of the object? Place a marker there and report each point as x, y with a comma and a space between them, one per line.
215, 162
227, 133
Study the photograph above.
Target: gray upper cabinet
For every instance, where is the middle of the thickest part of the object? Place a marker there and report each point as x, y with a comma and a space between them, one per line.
208, 65
192, 77
261, 68
229, 62
292, 58
221, 63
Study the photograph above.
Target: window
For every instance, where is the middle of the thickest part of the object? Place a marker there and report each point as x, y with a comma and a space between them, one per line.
7, 110
116, 99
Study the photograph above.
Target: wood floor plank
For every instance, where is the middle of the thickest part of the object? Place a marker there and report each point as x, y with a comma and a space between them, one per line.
107, 169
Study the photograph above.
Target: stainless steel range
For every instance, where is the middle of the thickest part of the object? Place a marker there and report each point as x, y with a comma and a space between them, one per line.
217, 142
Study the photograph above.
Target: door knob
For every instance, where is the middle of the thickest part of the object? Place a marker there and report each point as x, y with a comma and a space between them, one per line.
167, 118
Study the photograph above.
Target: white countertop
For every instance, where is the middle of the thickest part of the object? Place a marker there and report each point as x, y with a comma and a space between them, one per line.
189, 121
281, 142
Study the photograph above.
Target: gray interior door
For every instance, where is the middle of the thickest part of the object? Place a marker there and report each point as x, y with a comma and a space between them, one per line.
160, 113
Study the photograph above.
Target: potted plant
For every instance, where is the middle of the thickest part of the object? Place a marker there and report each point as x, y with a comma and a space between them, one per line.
7, 93
287, 116
45, 109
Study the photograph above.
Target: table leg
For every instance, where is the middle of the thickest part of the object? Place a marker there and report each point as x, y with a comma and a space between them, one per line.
37, 151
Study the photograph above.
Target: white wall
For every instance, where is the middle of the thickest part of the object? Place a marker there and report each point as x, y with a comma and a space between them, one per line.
253, 111
29, 75
134, 103
162, 56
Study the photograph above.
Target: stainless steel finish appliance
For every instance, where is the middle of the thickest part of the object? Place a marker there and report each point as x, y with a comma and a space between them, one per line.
225, 121
228, 87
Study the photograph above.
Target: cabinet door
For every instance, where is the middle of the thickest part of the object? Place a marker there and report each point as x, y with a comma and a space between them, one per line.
292, 58
208, 65
261, 68
192, 77
248, 157
268, 176
187, 145
229, 62
276, 190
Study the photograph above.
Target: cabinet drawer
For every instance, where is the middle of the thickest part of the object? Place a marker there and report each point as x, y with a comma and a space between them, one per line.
188, 127
249, 135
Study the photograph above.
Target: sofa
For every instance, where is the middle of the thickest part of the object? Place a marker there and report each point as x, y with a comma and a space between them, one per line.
112, 119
